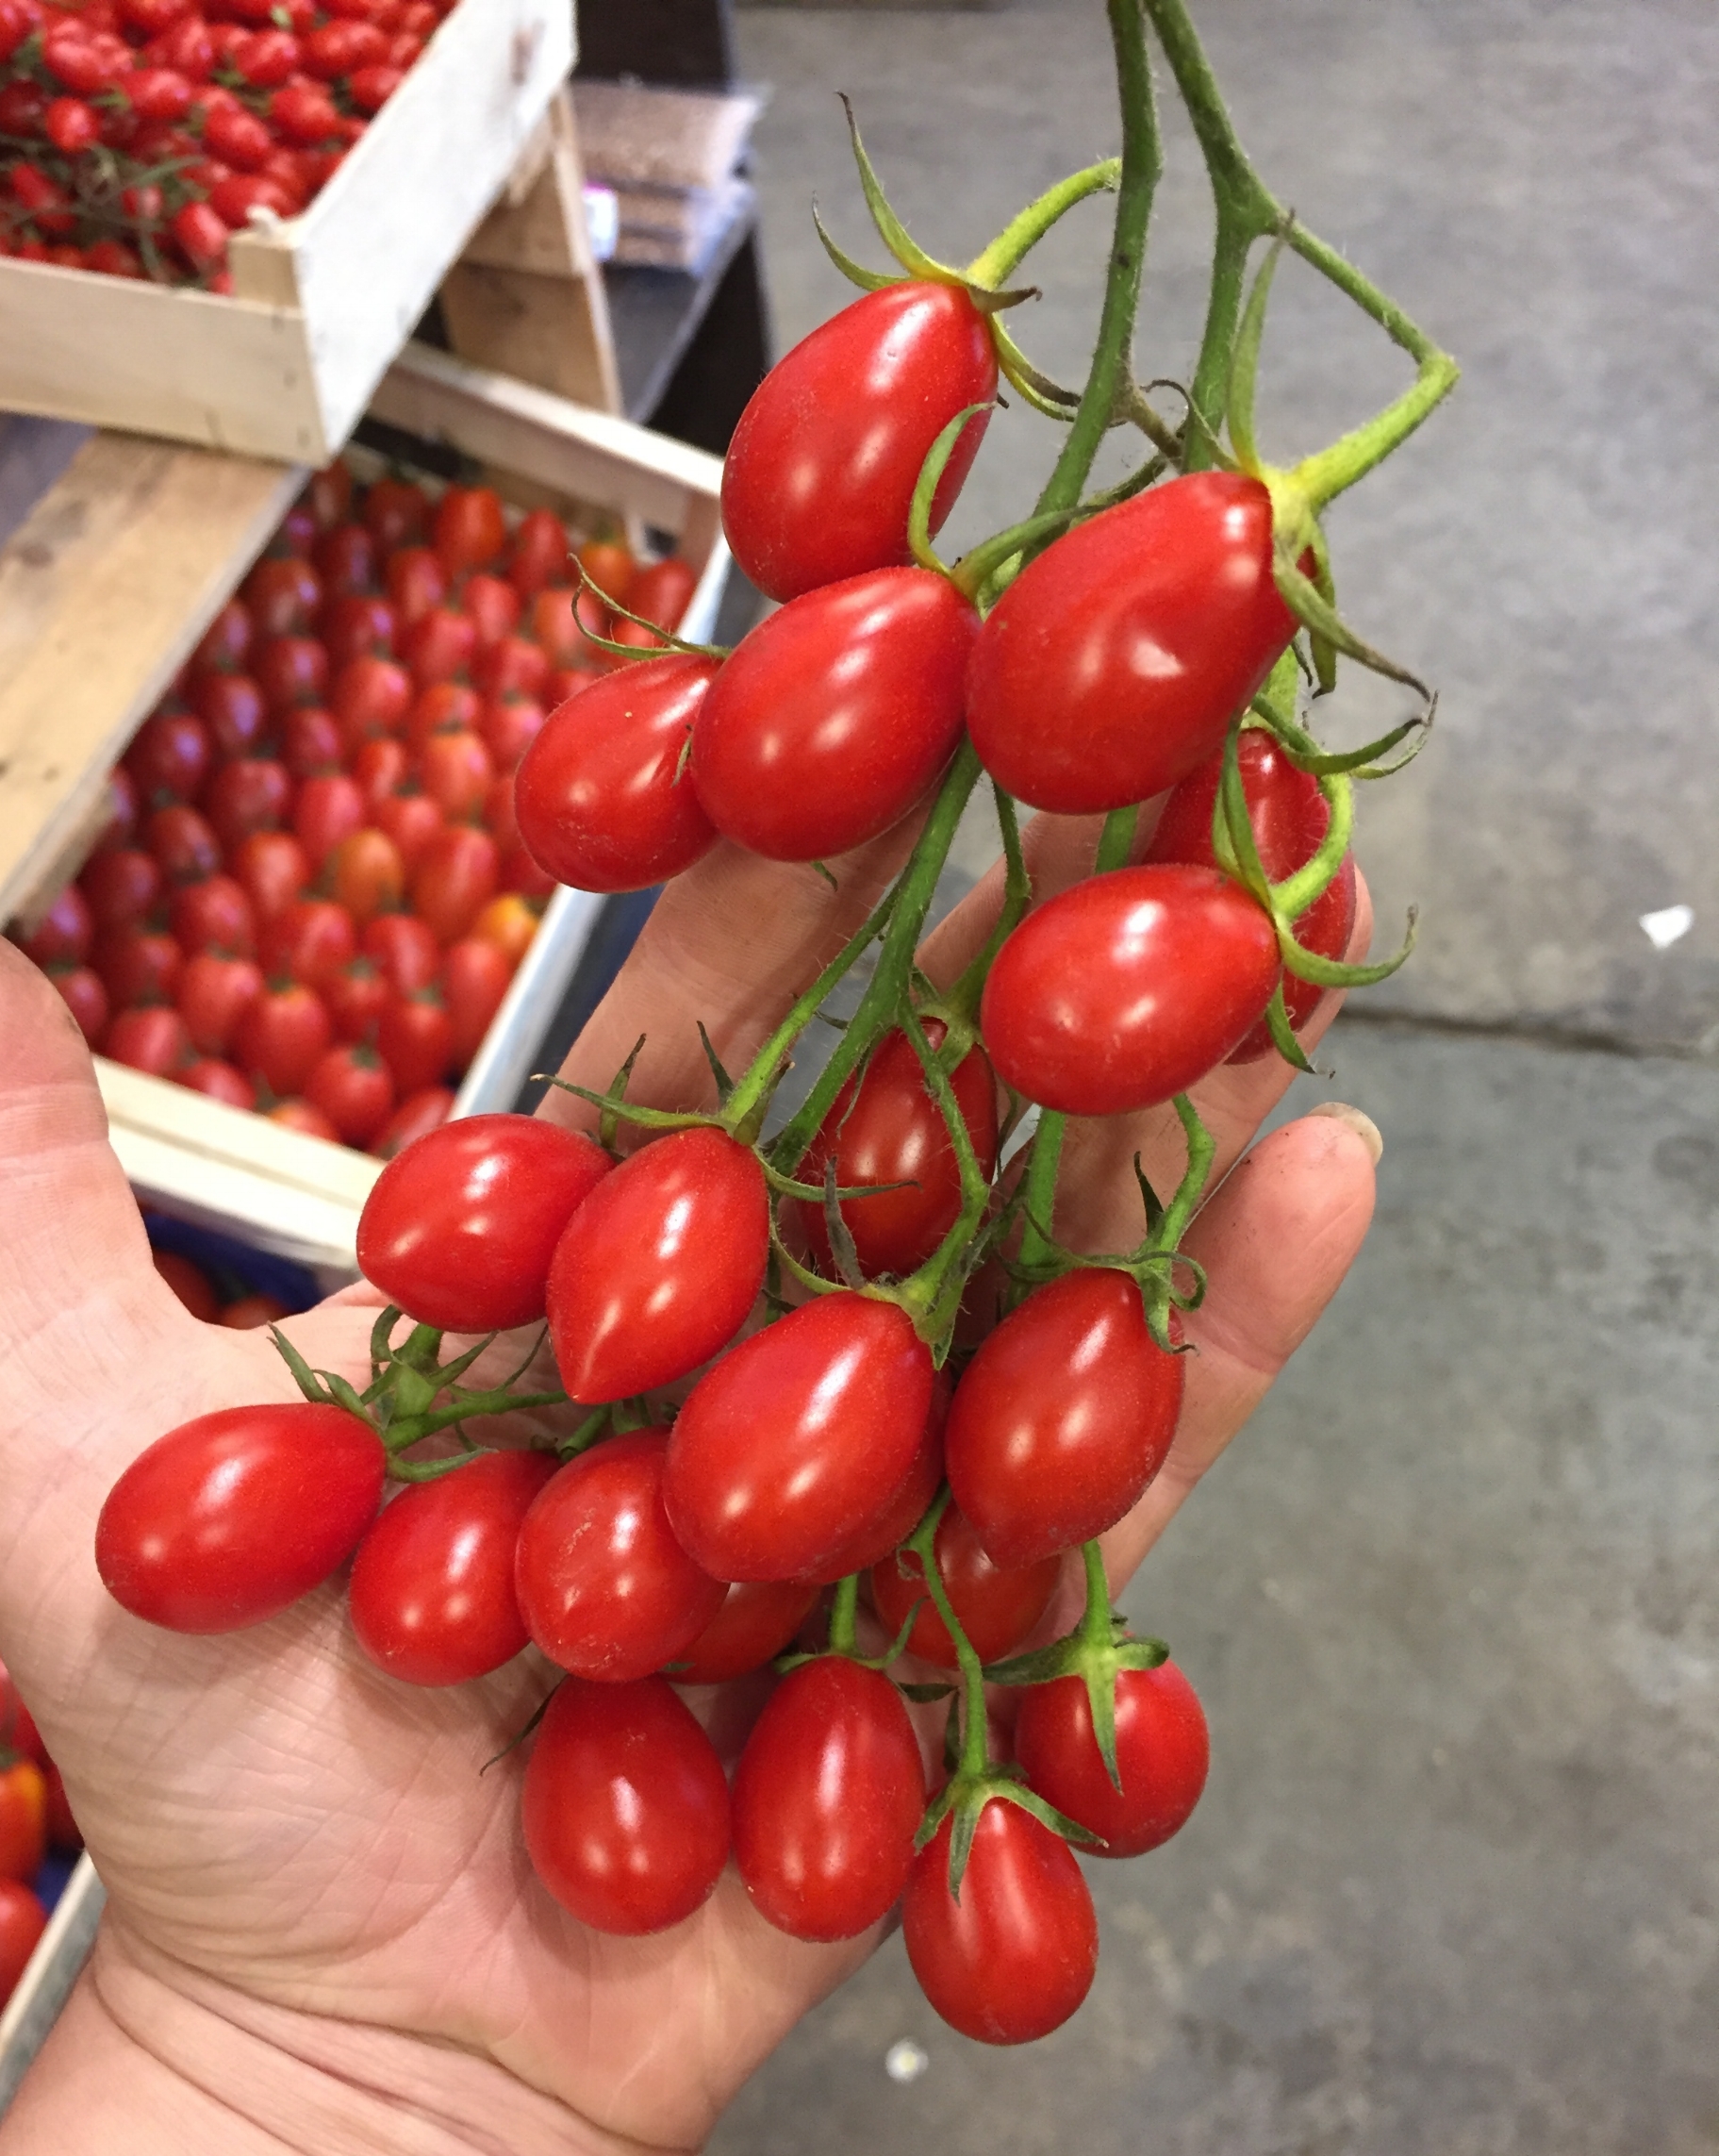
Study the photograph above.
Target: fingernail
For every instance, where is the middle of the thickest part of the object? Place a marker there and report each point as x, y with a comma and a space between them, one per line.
1365, 1128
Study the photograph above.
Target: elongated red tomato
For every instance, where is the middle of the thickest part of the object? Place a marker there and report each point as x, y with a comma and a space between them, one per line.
820, 474
432, 1595
1115, 662
884, 1127
1062, 1417
1122, 991
889, 1525
835, 714
229, 1518
461, 1227
602, 800
827, 1801
606, 1589
660, 1265
1289, 817
795, 1438
755, 1622
996, 1608
1163, 1753
1014, 1957
624, 1807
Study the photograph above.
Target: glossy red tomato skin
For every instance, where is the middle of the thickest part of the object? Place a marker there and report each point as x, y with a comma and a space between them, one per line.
215, 914
600, 798
220, 1082
461, 1227
310, 941
755, 1622
404, 950
282, 1036
137, 966
786, 1443
154, 1040
182, 842
431, 1593
169, 760
475, 976
1115, 662
214, 994
660, 1267
119, 886
23, 1836
997, 1608
889, 1525
355, 1089
273, 870
470, 528
64, 933
230, 1518
625, 1808
884, 1127
827, 1800
22, 1920
254, 793
821, 473
454, 879
1014, 1958
1123, 990
329, 810
1289, 817
835, 714
81, 990
1062, 1418
415, 1035
416, 1117
1163, 1755
604, 1587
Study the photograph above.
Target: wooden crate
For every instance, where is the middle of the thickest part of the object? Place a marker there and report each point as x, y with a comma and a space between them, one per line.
283, 366
75, 685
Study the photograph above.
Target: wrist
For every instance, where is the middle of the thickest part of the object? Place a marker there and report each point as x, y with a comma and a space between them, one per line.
152, 2056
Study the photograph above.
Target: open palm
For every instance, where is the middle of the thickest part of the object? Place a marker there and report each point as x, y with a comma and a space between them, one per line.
322, 1931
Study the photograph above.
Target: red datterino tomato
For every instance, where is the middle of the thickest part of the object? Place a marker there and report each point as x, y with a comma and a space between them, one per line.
1289, 817
476, 977
454, 879
606, 1589
64, 933
214, 994
660, 1265
1016, 1955
833, 715
460, 1228
1062, 1417
601, 799
1115, 661
827, 1800
997, 1608
154, 1040
884, 1127
796, 1436
282, 1036
431, 1593
659, 592
756, 1622
22, 1920
468, 529
1163, 1753
416, 1037
882, 1529
355, 1089
214, 915
821, 471
1123, 990
255, 793
230, 1518
169, 758
624, 1807
23, 1834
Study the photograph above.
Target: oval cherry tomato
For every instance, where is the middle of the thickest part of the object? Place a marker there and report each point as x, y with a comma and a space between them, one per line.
460, 1229
215, 914
417, 583
312, 942
307, 1121
182, 842
606, 1589
996, 1609
1289, 817
251, 1312
442, 707
394, 512
610, 566
538, 552
416, 1117
329, 809
783, 1446
121, 804
289, 671
380, 768
1014, 1958
658, 592
1115, 661
660, 1267
231, 706
1125, 990
475, 976
835, 714
359, 624
22, 1920
190, 1283
137, 966
494, 606
214, 994
439, 645
1062, 1417
470, 530
624, 1807
81, 990
345, 559
282, 1036
454, 879
121, 885
355, 1089
356, 998
412, 820
508, 727
368, 875
154, 1040
370, 697
755, 1622
415, 1035
884, 1127
282, 595
827, 1800
408, 956
820, 474
555, 624
169, 758
220, 1081
432, 1595
311, 743
329, 490
513, 667
64, 933
229, 1518
254, 793
456, 771
1163, 1754
888, 1526
225, 642
511, 923
601, 799
273, 870
24, 1832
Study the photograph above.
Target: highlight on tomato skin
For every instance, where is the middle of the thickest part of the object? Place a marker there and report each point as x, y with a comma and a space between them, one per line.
1163, 1755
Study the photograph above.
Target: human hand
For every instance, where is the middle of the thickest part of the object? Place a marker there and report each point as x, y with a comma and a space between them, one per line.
323, 1931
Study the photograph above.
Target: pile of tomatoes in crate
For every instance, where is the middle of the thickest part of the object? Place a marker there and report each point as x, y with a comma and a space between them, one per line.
311, 895
35, 1822
137, 136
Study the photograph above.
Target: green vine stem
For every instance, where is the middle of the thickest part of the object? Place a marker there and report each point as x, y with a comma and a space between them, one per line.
1011, 245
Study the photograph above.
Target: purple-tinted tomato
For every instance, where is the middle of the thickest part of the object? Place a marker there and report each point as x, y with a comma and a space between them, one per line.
1125, 990
835, 714
1062, 1417
1163, 1753
1115, 661
228, 1519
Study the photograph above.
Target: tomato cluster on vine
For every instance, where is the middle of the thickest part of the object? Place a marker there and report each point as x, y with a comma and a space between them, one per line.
312, 893
137, 136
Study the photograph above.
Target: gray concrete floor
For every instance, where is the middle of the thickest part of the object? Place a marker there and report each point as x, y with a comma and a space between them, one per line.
1452, 1601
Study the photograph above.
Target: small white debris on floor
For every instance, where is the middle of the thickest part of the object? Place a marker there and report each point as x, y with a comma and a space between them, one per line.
904, 2061
1668, 925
